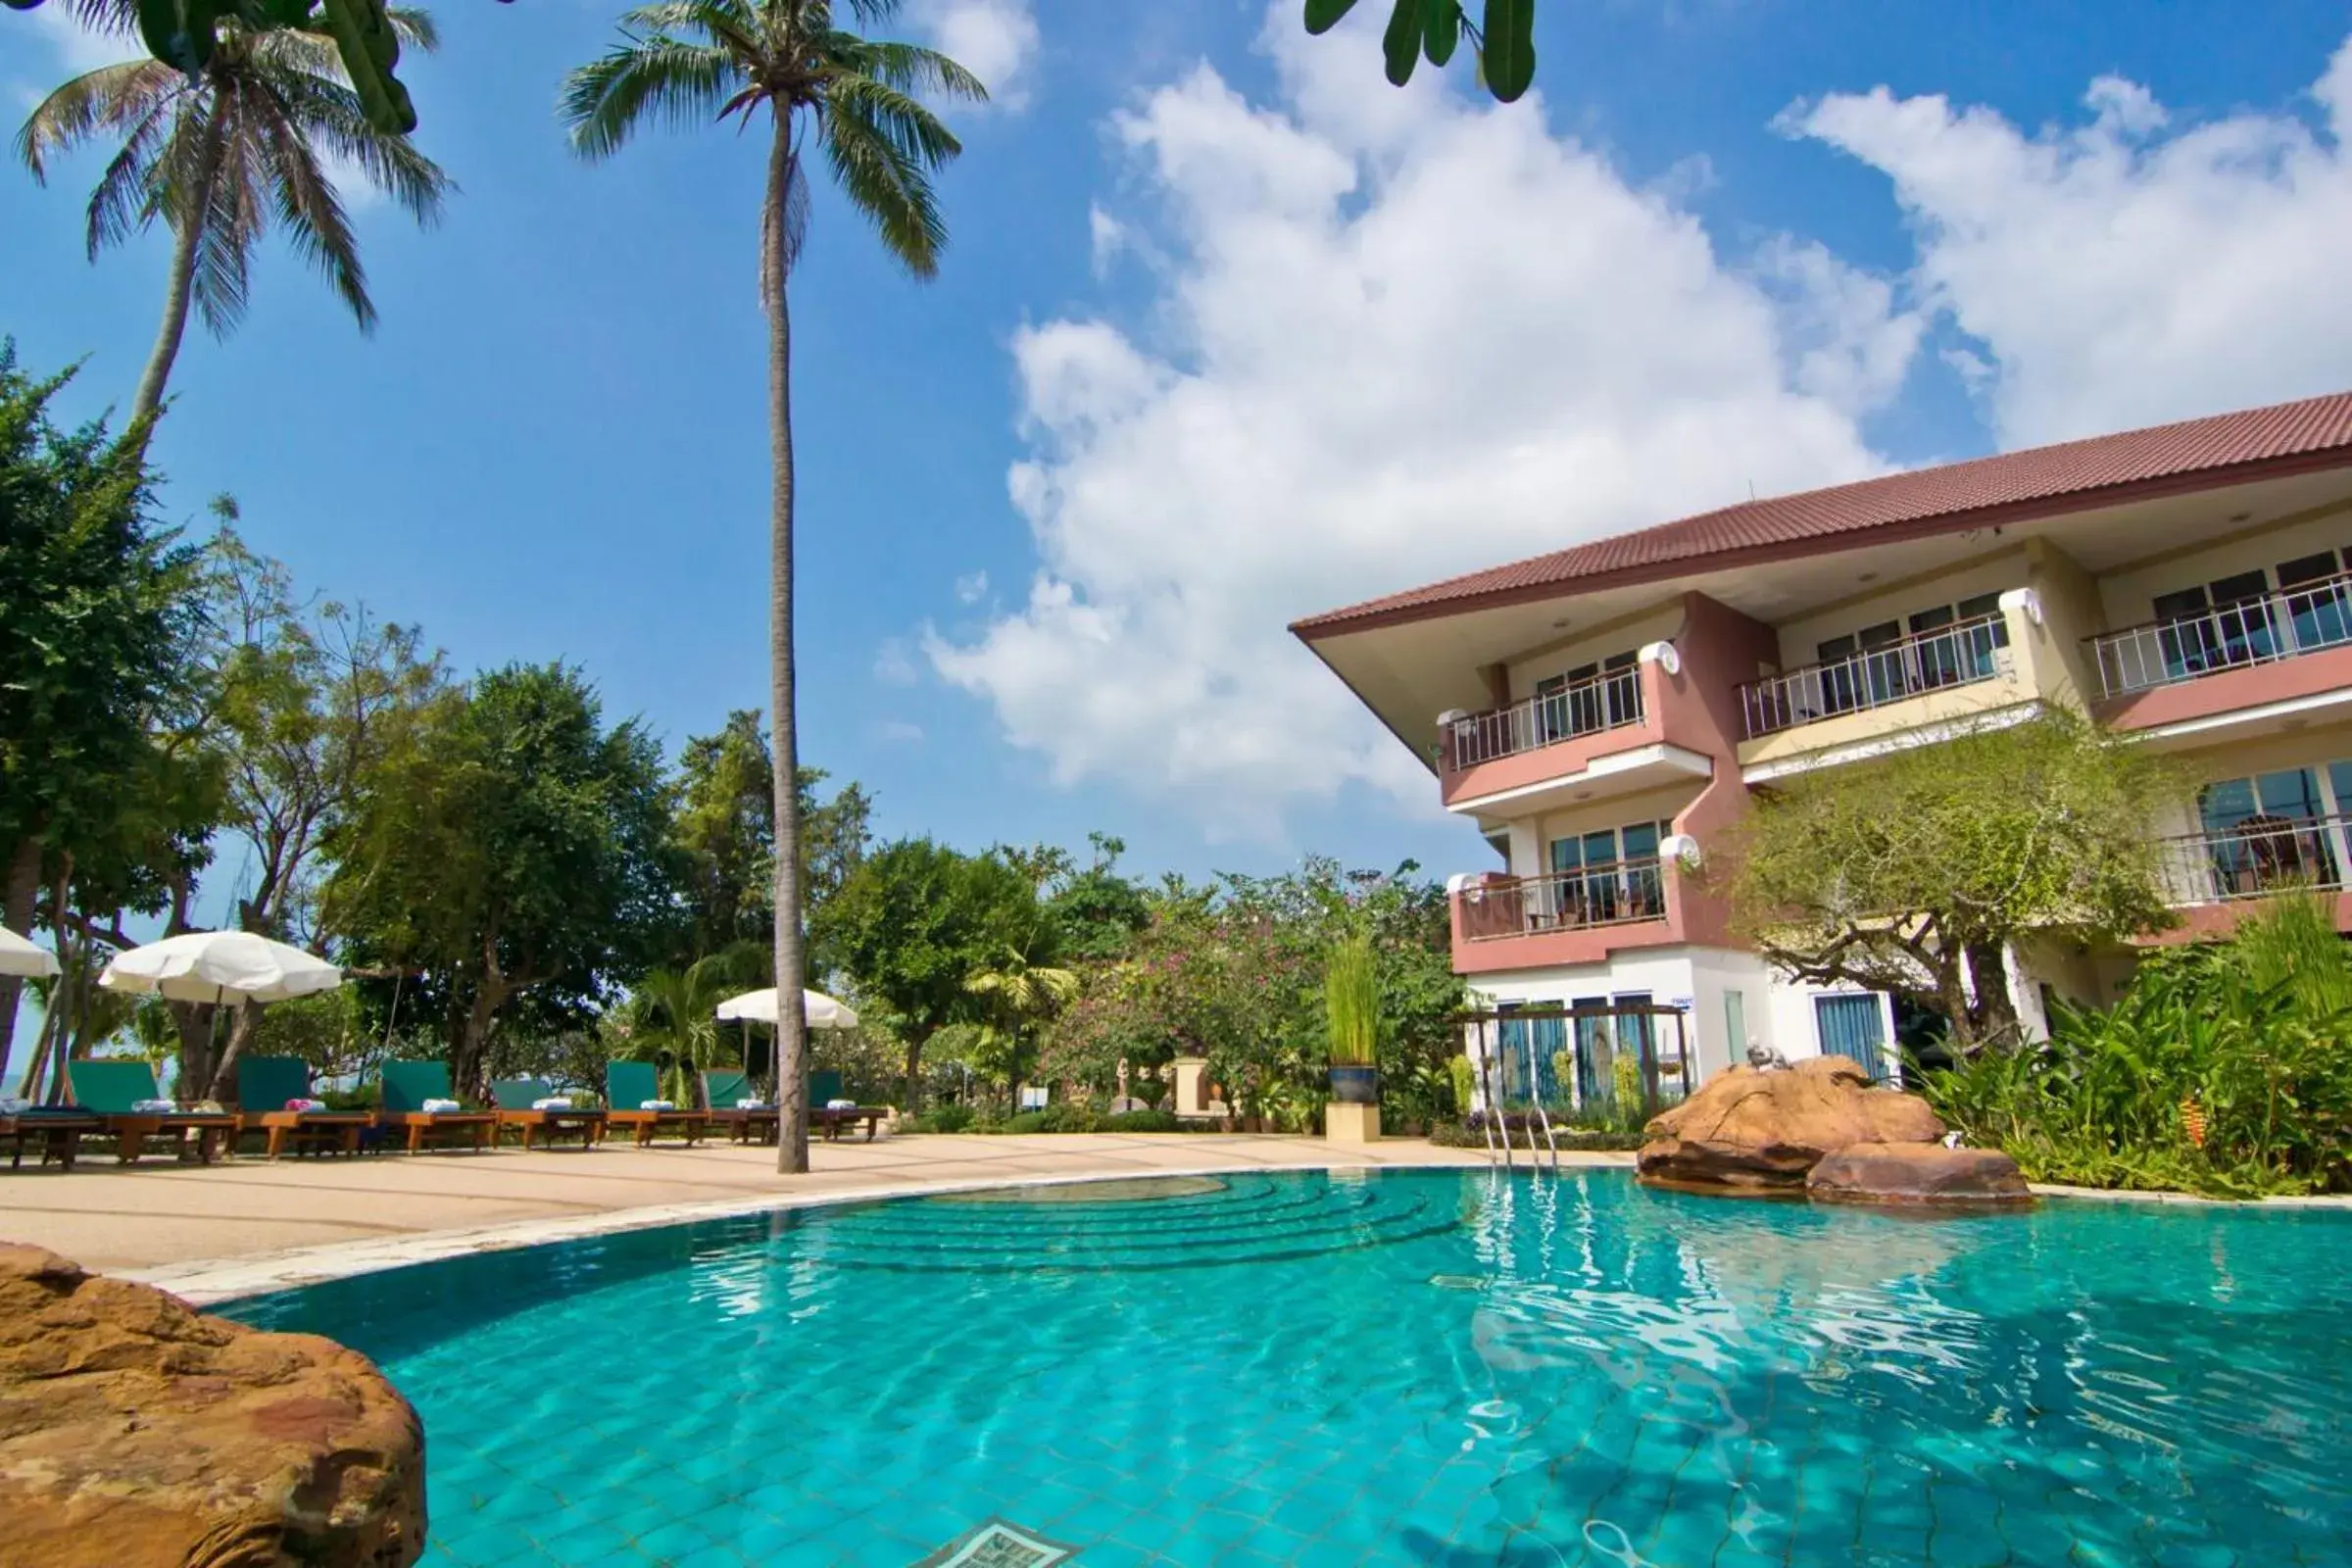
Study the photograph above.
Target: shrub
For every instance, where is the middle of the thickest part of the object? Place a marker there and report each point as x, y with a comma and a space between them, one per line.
1142, 1121
2220, 1071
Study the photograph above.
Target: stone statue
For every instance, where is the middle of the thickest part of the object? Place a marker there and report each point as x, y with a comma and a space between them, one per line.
1766, 1059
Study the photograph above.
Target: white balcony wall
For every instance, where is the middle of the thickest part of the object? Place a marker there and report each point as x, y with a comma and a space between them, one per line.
1581, 645
2128, 596
1876, 604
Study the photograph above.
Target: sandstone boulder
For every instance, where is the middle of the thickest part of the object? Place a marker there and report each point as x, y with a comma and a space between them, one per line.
1746, 1130
1927, 1174
138, 1433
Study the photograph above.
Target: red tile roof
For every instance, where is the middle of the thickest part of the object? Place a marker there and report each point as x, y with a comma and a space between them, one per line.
2195, 454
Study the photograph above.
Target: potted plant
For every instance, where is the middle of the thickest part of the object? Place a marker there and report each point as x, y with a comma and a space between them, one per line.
1351, 1015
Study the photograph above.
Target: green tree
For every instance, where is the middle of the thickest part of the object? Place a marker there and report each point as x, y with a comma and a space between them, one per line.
857, 99
1097, 910
916, 921
99, 610
1018, 993
513, 853
726, 829
312, 696
1919, 873
223, 148
673, 1017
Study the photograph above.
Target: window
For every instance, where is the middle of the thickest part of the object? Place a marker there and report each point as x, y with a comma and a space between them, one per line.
1609, 874
1590, 697
2319, 606
1734, 1026
2264, 832
1941, 645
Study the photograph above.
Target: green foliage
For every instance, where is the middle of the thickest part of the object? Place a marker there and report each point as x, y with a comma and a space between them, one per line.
329, 1031
514, 852
2220, 1070
917, 920
1351, 1002
1505, 42
672, 1018
1911, 874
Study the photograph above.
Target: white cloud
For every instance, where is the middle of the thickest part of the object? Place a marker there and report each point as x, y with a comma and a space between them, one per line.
1397, 335
995, 40
899, 732
971, 588
2130, 270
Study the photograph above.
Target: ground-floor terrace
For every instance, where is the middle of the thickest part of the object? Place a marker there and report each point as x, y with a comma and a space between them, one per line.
252, 1224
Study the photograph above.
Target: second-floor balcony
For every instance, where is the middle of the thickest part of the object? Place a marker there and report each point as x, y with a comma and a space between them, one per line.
2253, 858
1627, 893
2261, 630
1611, 700
1959, 654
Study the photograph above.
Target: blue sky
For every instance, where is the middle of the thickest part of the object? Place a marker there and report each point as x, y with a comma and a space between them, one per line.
1229, 331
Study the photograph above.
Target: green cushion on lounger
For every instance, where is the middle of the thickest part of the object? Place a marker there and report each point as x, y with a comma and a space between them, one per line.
266, 1083
110, 1088
823, 1087
518, 1094
628, 1085
723, 1086
408, 1085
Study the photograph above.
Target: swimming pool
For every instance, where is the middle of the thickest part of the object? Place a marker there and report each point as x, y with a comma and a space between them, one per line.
1424, 1368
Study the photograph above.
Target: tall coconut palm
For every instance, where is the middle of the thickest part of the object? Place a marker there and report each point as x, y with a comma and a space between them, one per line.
221, 154
857, 100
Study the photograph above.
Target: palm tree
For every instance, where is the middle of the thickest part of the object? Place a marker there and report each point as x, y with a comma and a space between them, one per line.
1020, 994
688, 60
675, 1013
220, 155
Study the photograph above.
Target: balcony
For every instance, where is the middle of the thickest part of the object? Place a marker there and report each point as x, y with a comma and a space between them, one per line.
2252, 632
1608, 701
1511, 922
1614, 733
2212, 877
1960, 655
2260, 855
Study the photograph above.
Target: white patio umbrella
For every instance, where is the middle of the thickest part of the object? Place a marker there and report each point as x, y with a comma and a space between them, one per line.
219, 967
760, 1006
19, 957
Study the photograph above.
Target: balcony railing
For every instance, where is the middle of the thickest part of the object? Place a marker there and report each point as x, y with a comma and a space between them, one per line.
1606, 700
2253, 631
2260, 855
1625, 894
1959, 654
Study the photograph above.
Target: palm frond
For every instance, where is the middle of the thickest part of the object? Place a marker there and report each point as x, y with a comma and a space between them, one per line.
108, 96
677, 81
228, 211
124, 199
416, 28
330, 117
909, 68
916, 134
885, 184
309, 207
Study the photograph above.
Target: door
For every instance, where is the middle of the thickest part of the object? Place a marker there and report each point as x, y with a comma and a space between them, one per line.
1853, 1026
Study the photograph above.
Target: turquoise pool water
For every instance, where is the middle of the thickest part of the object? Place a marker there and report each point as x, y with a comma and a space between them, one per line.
1430, 1367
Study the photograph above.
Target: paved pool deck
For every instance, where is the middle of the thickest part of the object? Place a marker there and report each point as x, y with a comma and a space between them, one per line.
249, 1225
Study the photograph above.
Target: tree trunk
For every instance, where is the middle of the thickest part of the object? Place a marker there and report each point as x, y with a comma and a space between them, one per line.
792, 1026
18, 896
1993, 1019
910, 1089
194, 1020
186, 235
241, 1024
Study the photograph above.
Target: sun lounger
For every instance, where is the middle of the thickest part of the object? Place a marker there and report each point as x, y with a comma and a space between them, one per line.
122, 1096
517, 1106
58, 1127
724, 1091
628, 1086
824, 1088
408, 1085
264, 1086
